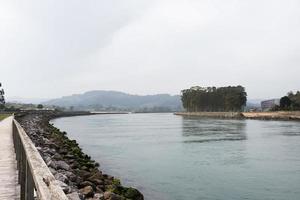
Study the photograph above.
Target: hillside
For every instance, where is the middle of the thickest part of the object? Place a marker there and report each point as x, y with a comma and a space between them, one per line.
99, 100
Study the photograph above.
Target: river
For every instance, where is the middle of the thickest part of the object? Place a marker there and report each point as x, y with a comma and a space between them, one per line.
169, 157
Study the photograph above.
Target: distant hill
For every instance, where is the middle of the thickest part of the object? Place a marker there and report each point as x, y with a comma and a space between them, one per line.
26, 100
100, 100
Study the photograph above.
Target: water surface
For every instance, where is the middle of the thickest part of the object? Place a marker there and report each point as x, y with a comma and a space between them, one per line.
171, 157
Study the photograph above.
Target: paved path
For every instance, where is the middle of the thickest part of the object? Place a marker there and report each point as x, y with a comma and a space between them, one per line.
9, 188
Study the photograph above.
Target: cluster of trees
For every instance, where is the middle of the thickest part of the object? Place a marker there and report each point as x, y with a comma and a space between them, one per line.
212, 99
2, 100
290, 102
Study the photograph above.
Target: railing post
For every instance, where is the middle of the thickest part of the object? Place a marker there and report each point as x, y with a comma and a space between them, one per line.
23, 172
29, 184
19, 158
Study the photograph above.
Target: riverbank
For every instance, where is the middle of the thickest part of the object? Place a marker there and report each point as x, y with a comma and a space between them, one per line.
279, 115
222, 115
78, 175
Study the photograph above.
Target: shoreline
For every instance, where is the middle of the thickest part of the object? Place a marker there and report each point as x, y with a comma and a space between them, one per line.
79, 176
278, 115
219, 115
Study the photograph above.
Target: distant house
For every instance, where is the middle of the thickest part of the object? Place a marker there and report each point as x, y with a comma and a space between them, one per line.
267, 105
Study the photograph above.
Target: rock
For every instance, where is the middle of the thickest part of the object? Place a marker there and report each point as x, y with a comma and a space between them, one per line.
53, 171
132, 193
78, 180
74, 164
102, 187
87, 191
53, 145
98, 196
63, 151
69, 156
52, 164
86, 183
70, 175
108, 177
107, 195
112, 196
62, 165
97, 181
61, 177
47, 159
84, 174
96, 177
57, 156
64, 187
99, 189
49, 151
107, 182
73, 196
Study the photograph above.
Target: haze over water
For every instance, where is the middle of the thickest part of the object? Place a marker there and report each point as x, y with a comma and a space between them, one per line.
173, 157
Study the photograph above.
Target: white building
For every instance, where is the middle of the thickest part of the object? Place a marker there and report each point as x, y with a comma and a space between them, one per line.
267, 105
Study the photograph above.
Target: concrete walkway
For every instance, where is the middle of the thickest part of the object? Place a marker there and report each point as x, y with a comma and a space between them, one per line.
9, 188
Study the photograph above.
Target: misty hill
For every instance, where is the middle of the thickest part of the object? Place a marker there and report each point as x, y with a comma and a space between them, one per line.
113, 100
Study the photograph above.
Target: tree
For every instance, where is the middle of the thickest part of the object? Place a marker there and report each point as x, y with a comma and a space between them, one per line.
40, 106
285, 103
2, 100
231, 98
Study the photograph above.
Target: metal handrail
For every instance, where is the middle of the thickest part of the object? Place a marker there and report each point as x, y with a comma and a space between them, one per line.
34, 174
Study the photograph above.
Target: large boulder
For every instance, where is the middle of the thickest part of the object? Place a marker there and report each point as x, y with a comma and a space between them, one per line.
87, 191
86, 183
111, 196
52, 164
73, 196
61, 177
132, 193
70, 175
67, 189
62, 165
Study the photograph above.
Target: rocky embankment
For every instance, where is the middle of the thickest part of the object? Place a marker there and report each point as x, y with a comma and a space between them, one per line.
78, 175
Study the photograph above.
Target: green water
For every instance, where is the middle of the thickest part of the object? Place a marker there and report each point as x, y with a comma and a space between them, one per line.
171, 157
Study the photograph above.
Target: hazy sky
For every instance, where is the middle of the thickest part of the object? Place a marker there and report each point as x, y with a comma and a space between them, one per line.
52, 48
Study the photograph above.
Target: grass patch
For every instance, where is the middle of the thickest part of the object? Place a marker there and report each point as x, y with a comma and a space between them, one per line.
3, 116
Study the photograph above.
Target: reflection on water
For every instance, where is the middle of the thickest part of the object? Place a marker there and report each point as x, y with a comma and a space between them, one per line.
212, 130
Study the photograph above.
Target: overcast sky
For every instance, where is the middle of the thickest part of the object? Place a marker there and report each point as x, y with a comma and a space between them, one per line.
53, 48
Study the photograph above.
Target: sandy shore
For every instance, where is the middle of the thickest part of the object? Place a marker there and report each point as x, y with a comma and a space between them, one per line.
225, 115
280, 115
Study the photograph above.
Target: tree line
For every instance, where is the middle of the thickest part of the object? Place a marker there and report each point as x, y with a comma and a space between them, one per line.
290, 102
213, 99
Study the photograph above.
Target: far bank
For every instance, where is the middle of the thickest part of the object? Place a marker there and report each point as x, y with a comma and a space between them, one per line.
279, 115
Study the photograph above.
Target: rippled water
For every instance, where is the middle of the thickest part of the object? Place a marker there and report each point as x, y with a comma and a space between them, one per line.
171, 157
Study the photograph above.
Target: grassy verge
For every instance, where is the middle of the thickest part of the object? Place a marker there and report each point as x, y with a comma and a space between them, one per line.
3, 116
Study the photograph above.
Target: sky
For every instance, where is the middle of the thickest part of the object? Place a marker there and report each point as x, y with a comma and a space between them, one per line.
54, 48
